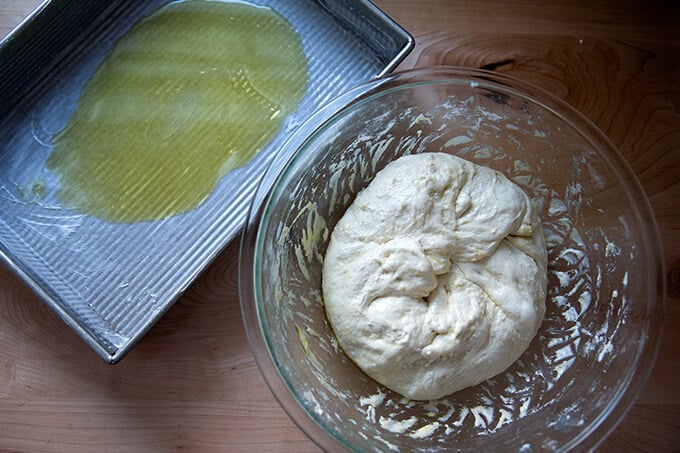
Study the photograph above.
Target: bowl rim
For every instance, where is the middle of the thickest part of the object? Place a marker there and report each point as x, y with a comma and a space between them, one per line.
614, 412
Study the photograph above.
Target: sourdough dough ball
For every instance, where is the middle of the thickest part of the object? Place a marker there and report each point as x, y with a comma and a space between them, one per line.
435, 277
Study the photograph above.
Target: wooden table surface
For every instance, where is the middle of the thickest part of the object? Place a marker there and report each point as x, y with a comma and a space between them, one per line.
191, 384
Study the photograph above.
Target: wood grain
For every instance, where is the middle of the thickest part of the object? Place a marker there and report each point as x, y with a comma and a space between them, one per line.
192, 385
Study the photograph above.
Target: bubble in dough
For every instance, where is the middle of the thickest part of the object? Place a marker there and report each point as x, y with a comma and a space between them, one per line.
435, 277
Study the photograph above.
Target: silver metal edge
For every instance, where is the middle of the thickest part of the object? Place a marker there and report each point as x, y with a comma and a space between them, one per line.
410, 40
19, 28
88, 337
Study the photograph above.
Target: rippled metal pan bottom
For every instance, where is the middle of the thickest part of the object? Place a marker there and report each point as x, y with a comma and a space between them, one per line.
112, 282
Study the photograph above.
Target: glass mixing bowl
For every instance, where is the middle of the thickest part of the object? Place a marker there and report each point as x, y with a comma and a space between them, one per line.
605, 300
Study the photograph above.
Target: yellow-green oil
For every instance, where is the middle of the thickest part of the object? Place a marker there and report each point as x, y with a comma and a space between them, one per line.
191, 92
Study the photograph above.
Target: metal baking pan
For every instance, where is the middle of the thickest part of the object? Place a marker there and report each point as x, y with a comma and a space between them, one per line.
111, 282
